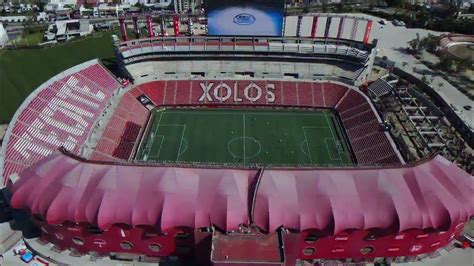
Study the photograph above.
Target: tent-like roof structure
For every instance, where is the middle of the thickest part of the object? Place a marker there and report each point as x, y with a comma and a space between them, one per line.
432, 194
66, 189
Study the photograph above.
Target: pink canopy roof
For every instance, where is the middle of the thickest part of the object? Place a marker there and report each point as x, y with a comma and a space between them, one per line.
434, 194
62, 188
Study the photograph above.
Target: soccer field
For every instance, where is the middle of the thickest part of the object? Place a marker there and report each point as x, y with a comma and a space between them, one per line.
245, 137
22, 71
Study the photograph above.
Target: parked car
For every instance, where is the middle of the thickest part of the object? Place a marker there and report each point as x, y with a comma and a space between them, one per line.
398, 23
27, 257
467, 241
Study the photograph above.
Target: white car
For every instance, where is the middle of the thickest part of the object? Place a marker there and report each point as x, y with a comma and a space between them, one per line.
21, 246
398, 23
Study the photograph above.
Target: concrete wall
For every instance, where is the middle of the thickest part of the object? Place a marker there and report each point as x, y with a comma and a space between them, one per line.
3, 36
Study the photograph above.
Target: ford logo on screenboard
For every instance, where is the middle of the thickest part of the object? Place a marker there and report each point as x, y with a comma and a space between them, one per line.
244, 19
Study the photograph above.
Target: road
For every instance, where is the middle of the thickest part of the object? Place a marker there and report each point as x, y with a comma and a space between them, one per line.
456, 257
393, 41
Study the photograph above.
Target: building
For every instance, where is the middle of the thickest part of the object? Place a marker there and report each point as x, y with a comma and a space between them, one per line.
184, 6
161, 3
3, 36
64, 30
154, 3
61, 3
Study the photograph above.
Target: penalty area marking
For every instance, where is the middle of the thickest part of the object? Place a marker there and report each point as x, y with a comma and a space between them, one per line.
307, 143
162, 138
244, 155
302, 149
243, 119
329, 153
330, 128
152, 133
183, 140
336, 141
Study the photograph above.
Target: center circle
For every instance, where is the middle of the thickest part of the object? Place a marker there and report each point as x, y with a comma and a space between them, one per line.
244, 147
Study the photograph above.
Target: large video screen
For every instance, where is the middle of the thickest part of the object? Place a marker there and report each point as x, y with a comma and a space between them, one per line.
245, 17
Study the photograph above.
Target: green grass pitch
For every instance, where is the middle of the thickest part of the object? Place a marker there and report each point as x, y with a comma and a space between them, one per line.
22, 71
245, 137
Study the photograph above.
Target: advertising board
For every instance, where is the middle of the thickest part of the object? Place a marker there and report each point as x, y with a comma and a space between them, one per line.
245, 17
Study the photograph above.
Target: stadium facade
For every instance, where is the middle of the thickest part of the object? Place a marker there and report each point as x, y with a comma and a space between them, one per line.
91, 197
461, 46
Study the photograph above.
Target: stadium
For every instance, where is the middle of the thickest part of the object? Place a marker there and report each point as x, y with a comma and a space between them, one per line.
230, 150
459, 45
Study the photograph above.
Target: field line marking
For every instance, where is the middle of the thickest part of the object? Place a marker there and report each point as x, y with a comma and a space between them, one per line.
330, 128
162, 137
301, 147
243, 119
236, 156
152, 131
329, 153
313, 127
185, 147
173, 125
181, 142
159, 120
143, 138
307, 143
327, 149
334, 137
269, 112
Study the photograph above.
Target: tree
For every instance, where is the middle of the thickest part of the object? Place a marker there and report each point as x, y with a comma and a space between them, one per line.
40, 5
464, 64
306, 9
420, 18
430, 43
325, 6
415, 45
28, 24
139, 5
395, 3
446, 62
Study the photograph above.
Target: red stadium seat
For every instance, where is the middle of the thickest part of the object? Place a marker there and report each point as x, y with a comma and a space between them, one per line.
123, 129
305, 94
61, 112
368, 141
